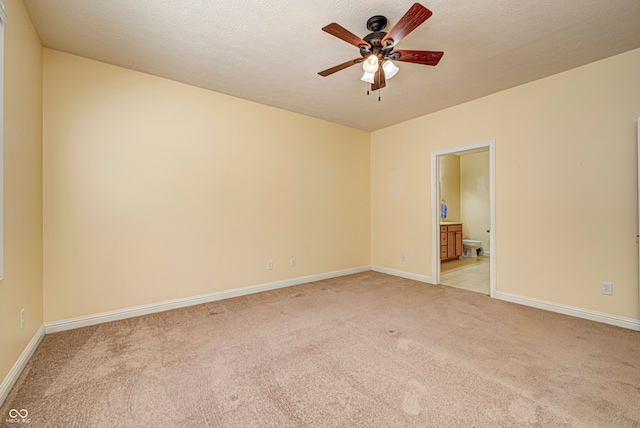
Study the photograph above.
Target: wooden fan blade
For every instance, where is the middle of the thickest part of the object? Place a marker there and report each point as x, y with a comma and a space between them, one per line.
344, 34
337, 68
379, 80
419, 57
415, 16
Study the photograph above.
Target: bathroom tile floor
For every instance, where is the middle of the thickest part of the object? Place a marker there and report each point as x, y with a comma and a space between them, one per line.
472, 275
461, 262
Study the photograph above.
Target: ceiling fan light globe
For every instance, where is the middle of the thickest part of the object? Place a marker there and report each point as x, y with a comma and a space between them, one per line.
390, 69
370, 64
367, 77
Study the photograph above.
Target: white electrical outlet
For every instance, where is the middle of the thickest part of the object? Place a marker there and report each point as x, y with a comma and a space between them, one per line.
22, 318
606, 288
293, 262
404, 257
269, 265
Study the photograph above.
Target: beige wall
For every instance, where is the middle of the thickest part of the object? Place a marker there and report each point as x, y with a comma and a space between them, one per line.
450, 185
155, 190
22, 283
475, 201
566, 185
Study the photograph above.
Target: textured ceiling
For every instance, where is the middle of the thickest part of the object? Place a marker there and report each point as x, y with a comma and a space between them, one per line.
271, 51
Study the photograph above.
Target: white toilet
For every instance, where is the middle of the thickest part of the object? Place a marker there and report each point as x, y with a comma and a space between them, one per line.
470, 246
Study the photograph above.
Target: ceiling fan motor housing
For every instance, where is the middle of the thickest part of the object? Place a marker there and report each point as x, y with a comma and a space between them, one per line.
375, 40
376, 24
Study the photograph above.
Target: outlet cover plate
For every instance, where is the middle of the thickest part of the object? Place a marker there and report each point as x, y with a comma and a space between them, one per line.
606, 288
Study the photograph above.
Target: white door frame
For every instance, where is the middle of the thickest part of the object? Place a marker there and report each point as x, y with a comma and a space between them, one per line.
435, 211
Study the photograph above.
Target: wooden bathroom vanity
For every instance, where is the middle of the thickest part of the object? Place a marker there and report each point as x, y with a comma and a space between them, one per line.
450, 241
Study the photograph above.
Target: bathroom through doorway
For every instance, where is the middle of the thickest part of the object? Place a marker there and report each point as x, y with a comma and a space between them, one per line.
463, 217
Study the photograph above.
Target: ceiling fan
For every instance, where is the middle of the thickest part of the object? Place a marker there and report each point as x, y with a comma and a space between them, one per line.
377, 49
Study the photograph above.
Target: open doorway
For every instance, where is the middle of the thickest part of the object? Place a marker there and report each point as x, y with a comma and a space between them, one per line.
463, 217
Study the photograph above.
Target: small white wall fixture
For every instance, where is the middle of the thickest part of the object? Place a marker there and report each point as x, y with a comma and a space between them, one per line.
435, 210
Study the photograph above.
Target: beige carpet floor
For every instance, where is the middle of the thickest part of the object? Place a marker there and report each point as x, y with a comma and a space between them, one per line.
366, 350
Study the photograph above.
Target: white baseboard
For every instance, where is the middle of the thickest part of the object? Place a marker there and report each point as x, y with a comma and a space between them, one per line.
84, 321
17, 368
482, 253
402, 274
630, 323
